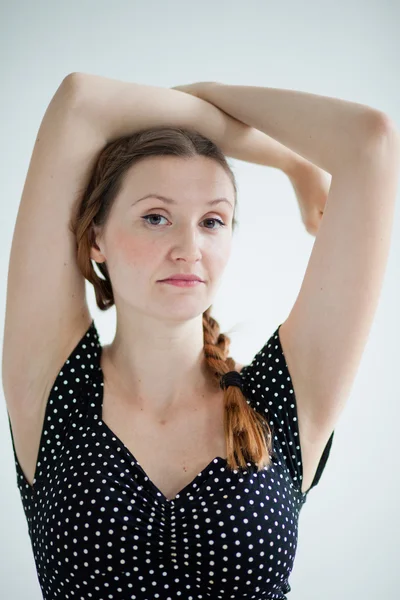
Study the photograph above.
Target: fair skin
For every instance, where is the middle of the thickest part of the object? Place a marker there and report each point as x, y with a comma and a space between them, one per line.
157, 358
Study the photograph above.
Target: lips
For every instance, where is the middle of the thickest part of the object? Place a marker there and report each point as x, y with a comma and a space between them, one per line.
183, 277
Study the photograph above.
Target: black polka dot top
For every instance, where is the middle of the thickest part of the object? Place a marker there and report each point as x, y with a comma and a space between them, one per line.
100, 529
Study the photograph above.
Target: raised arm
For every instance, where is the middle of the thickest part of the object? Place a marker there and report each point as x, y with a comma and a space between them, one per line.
328, 132
116, 108
324, 336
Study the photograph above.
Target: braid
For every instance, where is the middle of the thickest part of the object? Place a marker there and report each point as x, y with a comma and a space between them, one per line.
247, 433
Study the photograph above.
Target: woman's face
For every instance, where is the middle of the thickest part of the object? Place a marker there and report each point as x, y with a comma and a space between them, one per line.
187, 235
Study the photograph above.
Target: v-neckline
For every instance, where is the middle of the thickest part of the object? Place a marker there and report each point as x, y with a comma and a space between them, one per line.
184, 491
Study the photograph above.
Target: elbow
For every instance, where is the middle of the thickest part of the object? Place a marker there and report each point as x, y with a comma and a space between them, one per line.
73, 78
379, 125
380, 137
71, 89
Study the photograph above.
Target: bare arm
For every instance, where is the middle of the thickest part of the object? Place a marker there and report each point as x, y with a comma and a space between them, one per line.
328, 132
118, 108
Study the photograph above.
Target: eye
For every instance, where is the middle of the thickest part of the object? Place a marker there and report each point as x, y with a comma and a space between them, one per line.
152, 215
221, 223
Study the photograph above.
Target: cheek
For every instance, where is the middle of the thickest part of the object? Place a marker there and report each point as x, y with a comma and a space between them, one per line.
225, 254
129, 265
132, 250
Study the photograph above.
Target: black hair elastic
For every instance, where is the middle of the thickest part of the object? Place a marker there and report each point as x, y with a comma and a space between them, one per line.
231, 378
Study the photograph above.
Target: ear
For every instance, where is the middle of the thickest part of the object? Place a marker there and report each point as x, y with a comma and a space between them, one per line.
95, 251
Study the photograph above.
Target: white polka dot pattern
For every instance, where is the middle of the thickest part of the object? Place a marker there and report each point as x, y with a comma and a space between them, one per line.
100, 529
269, 387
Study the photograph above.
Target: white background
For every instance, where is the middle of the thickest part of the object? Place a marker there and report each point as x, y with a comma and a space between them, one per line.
349, 528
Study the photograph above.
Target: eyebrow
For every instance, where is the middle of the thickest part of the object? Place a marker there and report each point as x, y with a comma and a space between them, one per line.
172, 201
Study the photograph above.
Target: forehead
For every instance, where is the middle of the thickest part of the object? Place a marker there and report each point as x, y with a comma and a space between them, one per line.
181, 179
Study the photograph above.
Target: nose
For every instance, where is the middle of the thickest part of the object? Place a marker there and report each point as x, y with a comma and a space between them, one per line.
187, 245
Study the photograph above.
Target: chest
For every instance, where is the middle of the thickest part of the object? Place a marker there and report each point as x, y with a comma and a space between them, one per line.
174, 448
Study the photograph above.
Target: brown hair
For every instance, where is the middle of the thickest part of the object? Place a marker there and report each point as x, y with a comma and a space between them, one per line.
247, 432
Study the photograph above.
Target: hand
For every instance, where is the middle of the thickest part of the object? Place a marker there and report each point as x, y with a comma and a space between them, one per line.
311, 185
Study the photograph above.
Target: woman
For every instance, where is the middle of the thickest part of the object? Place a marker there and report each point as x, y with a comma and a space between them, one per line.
156, 467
